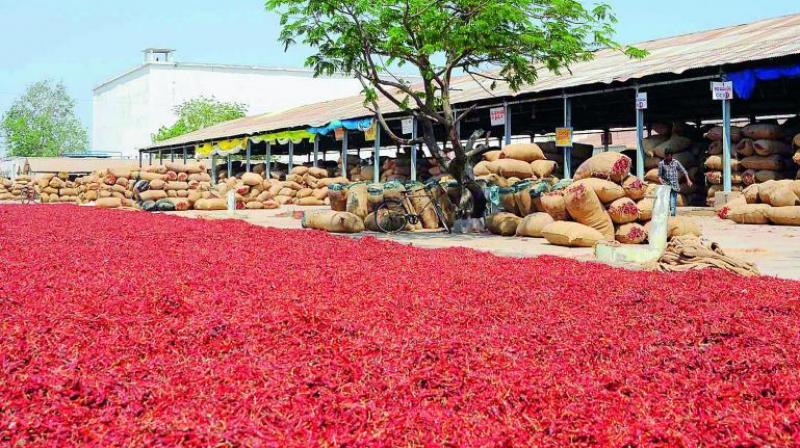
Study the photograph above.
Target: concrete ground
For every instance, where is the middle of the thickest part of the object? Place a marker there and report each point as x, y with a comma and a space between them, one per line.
774, 249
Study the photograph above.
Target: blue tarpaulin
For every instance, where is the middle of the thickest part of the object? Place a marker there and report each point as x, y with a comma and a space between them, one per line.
359, 124
744, 82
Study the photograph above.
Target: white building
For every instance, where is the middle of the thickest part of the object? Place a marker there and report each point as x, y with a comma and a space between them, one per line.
129, 108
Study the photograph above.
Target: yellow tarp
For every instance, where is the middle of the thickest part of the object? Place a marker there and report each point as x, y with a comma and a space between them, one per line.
224, 148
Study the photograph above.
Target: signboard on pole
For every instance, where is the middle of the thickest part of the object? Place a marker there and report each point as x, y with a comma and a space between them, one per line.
408, 126
641, 101
497, 115
722, 91
339, 133
369, 133
564, 137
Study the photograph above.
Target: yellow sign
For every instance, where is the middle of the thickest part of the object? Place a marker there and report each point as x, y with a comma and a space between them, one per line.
564, 137
369, 134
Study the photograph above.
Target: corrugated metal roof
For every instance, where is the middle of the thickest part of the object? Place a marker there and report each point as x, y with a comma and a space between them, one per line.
675, 55
38, 165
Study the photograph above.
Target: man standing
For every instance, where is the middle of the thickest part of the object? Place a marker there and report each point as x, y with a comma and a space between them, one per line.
669, 171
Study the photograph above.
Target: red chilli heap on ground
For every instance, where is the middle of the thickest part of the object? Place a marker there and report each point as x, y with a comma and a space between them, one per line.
132, 329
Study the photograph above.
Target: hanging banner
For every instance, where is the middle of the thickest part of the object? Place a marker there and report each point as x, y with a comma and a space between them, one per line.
564, 137
641, 101
339, 133
369, 134
408, 126
497, 115
722, 91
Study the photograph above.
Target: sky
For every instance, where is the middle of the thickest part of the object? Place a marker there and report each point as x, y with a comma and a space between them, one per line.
84, 42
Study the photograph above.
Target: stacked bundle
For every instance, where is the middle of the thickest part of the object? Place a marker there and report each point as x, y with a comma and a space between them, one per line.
110, 188
6, 186
399, 169
19, 183
514, 163
773, 201
713, 163
55, 189
605, 202
580, 152
764, 154
305, 186
679, 139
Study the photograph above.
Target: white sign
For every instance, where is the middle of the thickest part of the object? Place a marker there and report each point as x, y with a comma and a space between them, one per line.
722, 90
498, 116
408, 126
641, 101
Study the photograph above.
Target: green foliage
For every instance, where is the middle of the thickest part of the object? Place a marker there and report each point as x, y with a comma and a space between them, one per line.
199, 113
42, 123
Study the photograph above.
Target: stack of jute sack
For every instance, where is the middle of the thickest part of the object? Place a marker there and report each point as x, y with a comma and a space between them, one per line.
770, 202
6, 187
514, 163
306, 186
686, 147
107, 188
399, 169
14, 188
57, 189
713, 163
603, 203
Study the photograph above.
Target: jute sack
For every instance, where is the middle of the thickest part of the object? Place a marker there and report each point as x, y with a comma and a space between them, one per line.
632, 233
765, 189
715, 134
304, 193
319, 173
652, 142
181, 204
676, 143
751, 194
176, 186
309, 201
651, 162
571, 234
254, 205
553, 204
144, 175
623, 211
773, 162
503, 224
152, 195
526, 152
358, 200
532, 225
715, 149
782, 196
796, 156
763, 131
608, 165
651, 176
374, 196
321, 193
332, 221
784, 216
645, 207
679, 226
634, 188
68, 192
371, 222
737, 201
514, 168
252, 179
211, 204
423, 205
795, 186
491, 156
523, 199
120, 172
337, 193
585, 207
484, 168
745, 147
750, 214
270, 204
108, 203
543, 168
605, 190
508, 201
299, 170
769, 147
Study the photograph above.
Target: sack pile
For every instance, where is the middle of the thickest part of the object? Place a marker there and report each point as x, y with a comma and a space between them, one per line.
6, 190
57, 189
687, 148
770, 202
514, 163
763, 153
604, 202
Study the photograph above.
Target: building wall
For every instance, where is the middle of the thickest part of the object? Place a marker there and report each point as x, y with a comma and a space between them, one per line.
128, 110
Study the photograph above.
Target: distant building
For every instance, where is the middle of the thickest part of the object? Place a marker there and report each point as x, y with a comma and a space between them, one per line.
130, 107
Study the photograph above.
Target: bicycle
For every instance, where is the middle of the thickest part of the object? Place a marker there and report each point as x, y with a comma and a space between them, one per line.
394, 215
28, 195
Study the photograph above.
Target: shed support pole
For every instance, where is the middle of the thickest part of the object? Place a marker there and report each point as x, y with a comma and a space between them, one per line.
150, 158
507, 124
172, 155
140, 160
214, 169
160, 158
458, 124
249, 150
376, 163
291, 155
230, 167
726, 146
344, 156
268, 170
568, 149
414, 133
316, 150
639, 140
184, 155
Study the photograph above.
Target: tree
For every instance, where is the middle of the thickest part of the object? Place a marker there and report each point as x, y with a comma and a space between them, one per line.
42, 123
504, 41
199, 113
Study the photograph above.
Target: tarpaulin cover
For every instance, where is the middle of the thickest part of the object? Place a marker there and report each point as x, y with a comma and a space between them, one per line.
284, 137
744, 82
360, 124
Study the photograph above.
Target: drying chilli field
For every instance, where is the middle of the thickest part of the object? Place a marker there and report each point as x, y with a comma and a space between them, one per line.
132, 329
